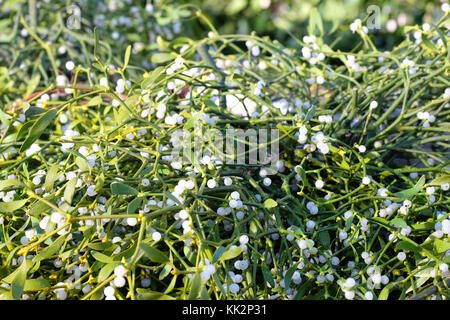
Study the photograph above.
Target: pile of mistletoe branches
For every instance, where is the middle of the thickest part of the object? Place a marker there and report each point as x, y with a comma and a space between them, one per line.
96, 205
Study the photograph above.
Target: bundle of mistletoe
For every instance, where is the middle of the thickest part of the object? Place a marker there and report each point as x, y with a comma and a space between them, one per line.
350, 202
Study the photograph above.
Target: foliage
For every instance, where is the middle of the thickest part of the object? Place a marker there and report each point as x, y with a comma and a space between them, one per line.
93, 205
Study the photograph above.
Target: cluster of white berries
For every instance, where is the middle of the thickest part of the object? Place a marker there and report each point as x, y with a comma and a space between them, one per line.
258, 88
7, 196
69, 134
356, 26
376, 279
283, 105
120, 85
347, 288
311, 206
320, 142
183, 221
119, 280
446, 94
255, 50
181, 187
242, 106
311, 52
389, 209
208, 271
43, 100
353, 64
409, 64
442, 227
426, 117
235, 202
178, 64
310, 225
61, 293
325, 119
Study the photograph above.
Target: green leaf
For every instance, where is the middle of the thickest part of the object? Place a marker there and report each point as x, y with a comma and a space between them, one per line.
324, 238
154, 295
12, 205
82, 164
94, 101
106, 270
441, 34
120, 188
127, 57
10, 277
38, 207
418, 283
424, 273
288, 276
34, 284
270, 203
165, 271
38, 128
171, 197
162, 57
148, 81
134, 205
408, 246
23, 132
193, 120
349, 222
439, 181
267, 275
219, 284
315, 21
32, 84
50, 250
219, 252
96, 39
154, 254
430, 45
302, 173
409, 193
70, 190
195, 287
4, 117
446, 259
190, 255
399, 223
234, 7
301, 292
18, 282
100, 246
52, 176
441, 246
204, 295
171, 285
253, 228
9, 183
122, 114
344, 165
310, 114
384, 294
101, 257
230, 254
